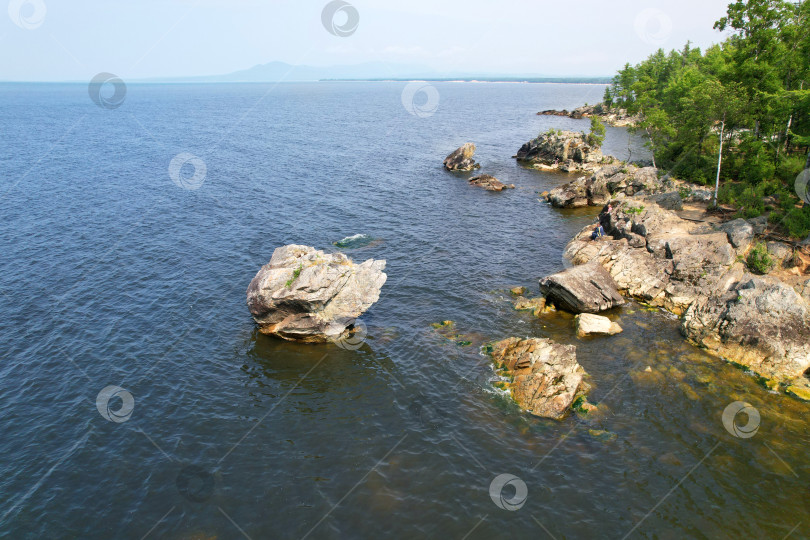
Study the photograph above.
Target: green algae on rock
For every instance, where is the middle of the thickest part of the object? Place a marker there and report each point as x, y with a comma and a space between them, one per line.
546, 378
535, 305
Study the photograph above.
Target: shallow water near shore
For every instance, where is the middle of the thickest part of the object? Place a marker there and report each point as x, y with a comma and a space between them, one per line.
113, 275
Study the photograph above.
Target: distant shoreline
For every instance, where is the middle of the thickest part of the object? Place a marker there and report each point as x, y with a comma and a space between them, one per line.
596, 81
558, 80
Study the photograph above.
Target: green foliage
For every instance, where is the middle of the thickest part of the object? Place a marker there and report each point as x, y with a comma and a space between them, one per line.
597, 135
608, 97
797, 222
634, 210
296, 273
758, 260
754, 86
751, 203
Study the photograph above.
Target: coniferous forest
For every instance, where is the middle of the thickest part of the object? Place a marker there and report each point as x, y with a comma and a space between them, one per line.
753, 89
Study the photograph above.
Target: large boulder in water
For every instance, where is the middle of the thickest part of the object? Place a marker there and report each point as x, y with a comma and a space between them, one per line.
588, 324
588, 288
546, 377
462, 159
304, 294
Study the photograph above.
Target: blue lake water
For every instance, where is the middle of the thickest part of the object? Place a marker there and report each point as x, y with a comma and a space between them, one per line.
113, 275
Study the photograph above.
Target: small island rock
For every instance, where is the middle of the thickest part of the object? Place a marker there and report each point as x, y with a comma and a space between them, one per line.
564, 150
546, 376
304, 294
462, 159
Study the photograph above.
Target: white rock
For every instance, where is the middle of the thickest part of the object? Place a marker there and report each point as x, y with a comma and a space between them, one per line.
588, 324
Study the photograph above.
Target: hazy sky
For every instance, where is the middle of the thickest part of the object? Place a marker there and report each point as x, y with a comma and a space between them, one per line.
75, 39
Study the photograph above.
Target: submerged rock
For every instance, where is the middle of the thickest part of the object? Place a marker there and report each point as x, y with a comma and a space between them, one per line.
582, 289
535, 305
355, 241
489, 183
588, 324
447, 329
602, 435
304, 294
546, 377
462, 159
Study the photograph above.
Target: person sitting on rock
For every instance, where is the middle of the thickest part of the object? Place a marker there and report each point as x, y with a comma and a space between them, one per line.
598, 232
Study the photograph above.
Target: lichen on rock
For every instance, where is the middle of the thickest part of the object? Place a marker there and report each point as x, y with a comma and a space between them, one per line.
304, 294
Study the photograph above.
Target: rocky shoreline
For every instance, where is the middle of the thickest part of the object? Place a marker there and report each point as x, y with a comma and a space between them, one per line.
698, 270
610, 116
653, 242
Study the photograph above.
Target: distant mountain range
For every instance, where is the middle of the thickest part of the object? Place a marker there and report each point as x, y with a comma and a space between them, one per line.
369, 71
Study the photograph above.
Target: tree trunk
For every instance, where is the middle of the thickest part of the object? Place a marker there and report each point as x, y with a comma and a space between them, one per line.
787, 133
720, 160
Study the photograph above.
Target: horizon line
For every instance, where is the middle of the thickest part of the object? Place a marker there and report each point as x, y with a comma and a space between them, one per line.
190, 80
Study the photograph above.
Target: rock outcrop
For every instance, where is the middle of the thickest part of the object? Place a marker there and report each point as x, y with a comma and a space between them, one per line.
657, 257
564, 150
462, 159
588, 288
607, 182
304, 294
489, 183
694, 270
740, 233
588, 324
760, 323
545, 376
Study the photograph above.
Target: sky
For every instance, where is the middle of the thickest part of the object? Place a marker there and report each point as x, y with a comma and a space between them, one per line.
57, 40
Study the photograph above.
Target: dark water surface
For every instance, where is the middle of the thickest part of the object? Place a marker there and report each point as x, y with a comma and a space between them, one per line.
110, 274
